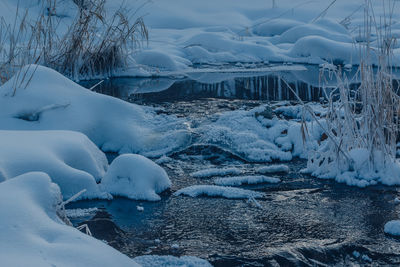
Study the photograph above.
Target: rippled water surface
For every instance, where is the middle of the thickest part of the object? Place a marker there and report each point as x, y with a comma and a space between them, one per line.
302, 221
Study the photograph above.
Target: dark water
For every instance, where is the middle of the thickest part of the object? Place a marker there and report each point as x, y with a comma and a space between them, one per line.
303, 221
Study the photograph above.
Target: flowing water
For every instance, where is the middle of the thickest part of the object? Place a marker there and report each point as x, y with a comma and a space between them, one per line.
302, 221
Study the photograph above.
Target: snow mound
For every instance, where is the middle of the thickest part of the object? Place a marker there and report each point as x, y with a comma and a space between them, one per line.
273, 169
392, 227
33, 235
218, 191
171, 261
248, 135
239, 180
71, 160
135, 177
216, 172
357, 171
49, 101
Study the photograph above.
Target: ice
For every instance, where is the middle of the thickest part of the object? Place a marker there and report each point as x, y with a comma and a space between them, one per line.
218, 191
273, 169
33, 235
171, 261
392, 227
240, 180
112, 124
75, 213
71, 160
216, 172
136, 177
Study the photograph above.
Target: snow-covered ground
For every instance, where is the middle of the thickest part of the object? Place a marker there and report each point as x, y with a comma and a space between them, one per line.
42, 99
185, 33
32, 233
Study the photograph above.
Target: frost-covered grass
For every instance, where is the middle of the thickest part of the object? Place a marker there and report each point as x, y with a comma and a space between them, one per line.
240, 180
362, 126
218, 191
80, 41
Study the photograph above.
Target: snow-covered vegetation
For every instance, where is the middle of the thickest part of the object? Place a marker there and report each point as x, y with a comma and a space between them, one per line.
54, 133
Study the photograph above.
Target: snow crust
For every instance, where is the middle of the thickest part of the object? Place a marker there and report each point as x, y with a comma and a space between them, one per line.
135, 177
240, 180
218, 191
216, 172
49, 101
171, 261
273, 169
33, 235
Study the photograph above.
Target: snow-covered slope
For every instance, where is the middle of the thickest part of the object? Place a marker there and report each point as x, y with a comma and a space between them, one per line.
32, 234
71, 160
46, 100
183, 33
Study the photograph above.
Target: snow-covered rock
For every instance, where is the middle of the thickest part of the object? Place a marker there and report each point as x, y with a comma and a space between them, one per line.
135, 177
46, 100
392, 227
240, 180
33, 235
218, 191
71, 160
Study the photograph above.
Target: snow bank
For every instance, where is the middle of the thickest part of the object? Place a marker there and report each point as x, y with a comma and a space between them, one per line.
393, 227
259, 139
273, 169
216, 172
135, 177
183, 33
239, 180
357, 171
33, 235
71, 160
171, 261
218, 191
52, 102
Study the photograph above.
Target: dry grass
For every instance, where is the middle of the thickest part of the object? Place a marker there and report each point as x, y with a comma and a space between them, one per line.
368, 117
96, 44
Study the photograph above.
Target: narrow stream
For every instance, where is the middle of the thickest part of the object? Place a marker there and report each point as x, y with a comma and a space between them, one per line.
302, 221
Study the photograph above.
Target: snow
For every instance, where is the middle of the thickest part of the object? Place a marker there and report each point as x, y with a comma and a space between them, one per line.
273, 169
216, 172
171, 261
33, 235
71, 160
136, 177
357, 171
52, 102
240, 180
184, 33
75, 213
259, 139
218, 191
392, 227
